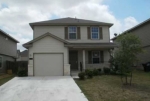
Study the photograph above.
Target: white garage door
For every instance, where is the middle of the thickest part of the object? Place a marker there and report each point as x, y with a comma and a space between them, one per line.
48, 64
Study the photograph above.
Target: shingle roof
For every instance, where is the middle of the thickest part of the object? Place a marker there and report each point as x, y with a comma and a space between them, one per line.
24, 53
4, 33
70, 21
135, 27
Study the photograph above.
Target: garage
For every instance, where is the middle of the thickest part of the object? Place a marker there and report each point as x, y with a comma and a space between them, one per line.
48, 64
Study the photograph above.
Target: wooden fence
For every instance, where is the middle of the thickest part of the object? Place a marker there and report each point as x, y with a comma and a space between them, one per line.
16, 66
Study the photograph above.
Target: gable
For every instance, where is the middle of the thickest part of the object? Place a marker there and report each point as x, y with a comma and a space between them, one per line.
48, 41
29, 44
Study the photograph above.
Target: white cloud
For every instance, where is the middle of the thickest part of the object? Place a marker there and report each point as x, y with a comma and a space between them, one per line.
129, 22
16, 18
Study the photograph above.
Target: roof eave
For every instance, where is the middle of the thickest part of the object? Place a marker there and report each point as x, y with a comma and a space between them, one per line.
9, 36
144, 22
61, 24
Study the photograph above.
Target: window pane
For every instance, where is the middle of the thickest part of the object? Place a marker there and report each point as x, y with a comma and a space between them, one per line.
95, 60
95, 54
95, 32
94, 35
95, 29
72, 35
72, 29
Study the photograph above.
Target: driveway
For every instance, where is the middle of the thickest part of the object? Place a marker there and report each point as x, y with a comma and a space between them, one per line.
41, 89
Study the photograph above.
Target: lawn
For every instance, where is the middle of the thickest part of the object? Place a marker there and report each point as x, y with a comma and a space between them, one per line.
4, 80
110, 88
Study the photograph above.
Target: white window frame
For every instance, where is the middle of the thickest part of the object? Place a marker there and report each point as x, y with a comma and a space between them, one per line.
2, 62
72, 32
92, 33
93, 57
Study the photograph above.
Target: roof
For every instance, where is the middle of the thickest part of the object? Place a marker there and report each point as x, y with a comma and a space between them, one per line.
24, 53
4, 33
70, 21
28, 44
133, 28
91, 45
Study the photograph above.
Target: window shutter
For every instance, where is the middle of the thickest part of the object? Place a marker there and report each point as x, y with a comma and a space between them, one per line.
66, 32
100, 33
101, 56
88, 32
89, 57
78, 33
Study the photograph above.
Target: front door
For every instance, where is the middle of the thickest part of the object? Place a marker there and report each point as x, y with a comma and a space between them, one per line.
73, 60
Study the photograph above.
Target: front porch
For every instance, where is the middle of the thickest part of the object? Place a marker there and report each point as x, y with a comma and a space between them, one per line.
81, 59
88, 56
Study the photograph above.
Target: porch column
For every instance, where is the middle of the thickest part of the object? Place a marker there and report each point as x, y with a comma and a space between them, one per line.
83, 60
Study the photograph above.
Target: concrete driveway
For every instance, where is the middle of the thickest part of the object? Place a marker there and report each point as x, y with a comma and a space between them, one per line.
41, 89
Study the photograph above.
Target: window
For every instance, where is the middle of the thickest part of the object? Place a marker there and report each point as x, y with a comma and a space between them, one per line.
72, 31
96, 57
1, 62
94, 33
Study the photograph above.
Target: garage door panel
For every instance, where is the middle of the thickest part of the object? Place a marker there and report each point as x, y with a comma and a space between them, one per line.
48, 64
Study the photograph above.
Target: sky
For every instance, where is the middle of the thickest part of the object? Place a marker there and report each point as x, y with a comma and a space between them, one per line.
15, 15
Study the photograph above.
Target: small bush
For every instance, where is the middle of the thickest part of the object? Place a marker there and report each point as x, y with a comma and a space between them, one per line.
22, 73
81, 75
96, 72
90, 74
106, 70
86, 71
99, 69
113, 72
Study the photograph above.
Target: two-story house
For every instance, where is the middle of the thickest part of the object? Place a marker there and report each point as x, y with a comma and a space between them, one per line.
63, 45
22, 56
8, 50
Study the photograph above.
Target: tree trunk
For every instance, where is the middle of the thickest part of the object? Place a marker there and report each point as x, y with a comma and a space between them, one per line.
131, 78
126, 80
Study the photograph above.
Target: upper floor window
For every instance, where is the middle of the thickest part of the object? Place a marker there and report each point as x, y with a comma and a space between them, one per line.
94, 32
72, 31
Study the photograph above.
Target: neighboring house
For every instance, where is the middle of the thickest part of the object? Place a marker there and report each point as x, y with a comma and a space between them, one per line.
8, 50
63, 45
141, 30
22, 56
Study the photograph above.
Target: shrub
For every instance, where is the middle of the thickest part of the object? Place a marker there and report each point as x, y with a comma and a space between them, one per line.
90, 74
86, 71
99, 69
81, 75
96, 72
106, 70
22, 73
113, 72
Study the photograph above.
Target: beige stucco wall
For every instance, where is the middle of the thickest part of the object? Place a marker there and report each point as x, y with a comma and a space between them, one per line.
59, 31
48, 45
92, 66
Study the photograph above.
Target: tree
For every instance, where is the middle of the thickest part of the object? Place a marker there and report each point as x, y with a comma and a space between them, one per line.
125, 56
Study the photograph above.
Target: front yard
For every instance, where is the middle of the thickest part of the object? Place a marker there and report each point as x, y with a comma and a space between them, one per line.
109, 88
5, 79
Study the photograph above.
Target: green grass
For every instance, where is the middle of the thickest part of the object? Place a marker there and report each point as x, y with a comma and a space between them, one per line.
110, 88
4, 80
